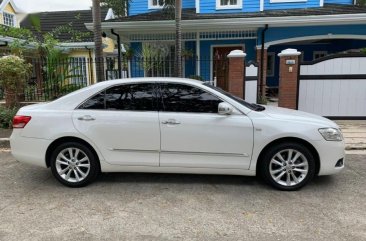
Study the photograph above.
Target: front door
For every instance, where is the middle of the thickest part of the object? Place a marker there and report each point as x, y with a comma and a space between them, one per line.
194, 135
220, 65
123, 123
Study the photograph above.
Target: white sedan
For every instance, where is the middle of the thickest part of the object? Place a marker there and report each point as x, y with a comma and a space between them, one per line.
169, 125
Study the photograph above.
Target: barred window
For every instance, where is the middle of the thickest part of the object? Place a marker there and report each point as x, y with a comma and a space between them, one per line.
78, 71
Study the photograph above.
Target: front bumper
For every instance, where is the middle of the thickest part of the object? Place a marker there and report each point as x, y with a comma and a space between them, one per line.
330, 152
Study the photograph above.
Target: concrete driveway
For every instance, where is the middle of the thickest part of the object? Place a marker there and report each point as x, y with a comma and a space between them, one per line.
33, 206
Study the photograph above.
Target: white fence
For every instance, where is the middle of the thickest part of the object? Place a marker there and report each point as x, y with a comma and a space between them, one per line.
251, 83
334, 86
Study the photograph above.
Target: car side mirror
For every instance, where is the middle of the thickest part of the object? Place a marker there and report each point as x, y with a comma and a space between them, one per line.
225, 109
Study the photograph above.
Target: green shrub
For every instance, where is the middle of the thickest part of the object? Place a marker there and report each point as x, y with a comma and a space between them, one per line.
6, 116
196, 77
262, 100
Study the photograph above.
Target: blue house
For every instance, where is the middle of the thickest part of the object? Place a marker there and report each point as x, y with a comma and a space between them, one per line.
212, 28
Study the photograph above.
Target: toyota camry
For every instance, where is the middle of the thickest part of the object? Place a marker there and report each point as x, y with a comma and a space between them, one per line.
169, 125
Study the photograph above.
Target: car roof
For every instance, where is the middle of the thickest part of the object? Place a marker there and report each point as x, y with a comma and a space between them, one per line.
150, 79
82, 94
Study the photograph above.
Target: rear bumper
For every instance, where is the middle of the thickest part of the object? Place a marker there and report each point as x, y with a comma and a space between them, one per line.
330, 152
29, 150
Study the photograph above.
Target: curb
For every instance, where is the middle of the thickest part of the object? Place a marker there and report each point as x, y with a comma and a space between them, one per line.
351, 148
4, 143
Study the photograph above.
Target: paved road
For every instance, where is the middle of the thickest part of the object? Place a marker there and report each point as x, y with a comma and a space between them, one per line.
33, 206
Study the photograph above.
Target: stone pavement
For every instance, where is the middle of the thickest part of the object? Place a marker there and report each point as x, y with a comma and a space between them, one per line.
354, 133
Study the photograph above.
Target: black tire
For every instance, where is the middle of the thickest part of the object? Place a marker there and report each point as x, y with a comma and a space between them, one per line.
265, 165
91, 174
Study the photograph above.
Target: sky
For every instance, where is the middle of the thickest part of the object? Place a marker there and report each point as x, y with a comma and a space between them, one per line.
52, 5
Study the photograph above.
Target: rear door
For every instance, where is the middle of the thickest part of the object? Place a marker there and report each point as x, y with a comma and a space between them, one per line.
193, 134
123, 122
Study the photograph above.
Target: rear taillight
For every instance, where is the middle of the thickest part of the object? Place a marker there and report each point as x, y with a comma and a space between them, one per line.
20, 121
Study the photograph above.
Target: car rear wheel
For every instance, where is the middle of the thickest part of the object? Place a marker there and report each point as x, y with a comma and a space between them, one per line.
288, 166
74, 164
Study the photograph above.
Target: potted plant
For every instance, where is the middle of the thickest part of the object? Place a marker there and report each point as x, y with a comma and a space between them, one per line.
196, 77
130, 53
13, 75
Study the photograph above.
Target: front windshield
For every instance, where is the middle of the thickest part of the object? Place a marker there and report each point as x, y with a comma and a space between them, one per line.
254, 107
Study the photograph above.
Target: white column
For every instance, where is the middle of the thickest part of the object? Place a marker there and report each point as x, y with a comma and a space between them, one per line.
198, 6
261, 5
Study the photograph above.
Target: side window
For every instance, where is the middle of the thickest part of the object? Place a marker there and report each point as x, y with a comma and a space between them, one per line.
94, 103
133, 97
184, 98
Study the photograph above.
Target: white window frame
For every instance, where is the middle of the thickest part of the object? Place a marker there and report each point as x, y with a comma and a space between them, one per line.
272, 65
239, 5
151, 6
325, 53
287, 1
11, 15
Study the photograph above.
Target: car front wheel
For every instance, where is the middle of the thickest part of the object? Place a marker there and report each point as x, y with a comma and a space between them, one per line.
74, 164
288, 166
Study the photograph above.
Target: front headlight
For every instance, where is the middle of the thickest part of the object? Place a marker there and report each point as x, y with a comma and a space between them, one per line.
331, 134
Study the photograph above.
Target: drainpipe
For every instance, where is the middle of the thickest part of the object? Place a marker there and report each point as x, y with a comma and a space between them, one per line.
262, 60
119, 53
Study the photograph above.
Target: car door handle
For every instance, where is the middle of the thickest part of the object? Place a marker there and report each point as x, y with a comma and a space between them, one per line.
171, 122
86, 118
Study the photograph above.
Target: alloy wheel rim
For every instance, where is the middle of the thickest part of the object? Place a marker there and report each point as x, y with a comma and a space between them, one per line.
72, 165
289, 167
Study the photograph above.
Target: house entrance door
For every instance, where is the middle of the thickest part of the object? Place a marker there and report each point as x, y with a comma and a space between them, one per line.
220, 65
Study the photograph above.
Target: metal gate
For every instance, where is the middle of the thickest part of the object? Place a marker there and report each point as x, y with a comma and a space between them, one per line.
334, 86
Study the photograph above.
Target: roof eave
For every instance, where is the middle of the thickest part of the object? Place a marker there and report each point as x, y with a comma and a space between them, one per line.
208, 24
15, 7
77, 45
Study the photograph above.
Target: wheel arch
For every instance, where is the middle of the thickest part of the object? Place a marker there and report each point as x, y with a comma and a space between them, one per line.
308, 145
64, 139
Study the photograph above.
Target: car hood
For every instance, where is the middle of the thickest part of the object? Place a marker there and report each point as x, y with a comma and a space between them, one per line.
300, 116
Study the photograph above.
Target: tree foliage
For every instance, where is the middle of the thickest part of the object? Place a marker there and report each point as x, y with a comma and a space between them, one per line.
19, 33
169, 7
13, 71
45, 46
119, 7
361, 2
26, 39
13, 74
